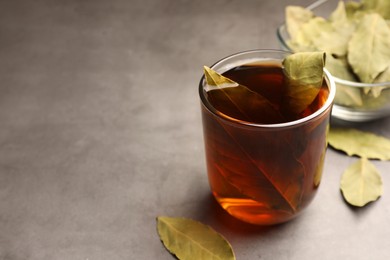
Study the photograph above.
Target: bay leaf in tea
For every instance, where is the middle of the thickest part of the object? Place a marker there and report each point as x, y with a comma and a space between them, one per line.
304, 75
244, 100
259, 176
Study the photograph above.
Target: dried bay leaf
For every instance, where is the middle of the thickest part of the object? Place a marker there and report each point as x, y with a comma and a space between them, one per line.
368, 49
359, 143
243, 99
311, 31
261, 182
189, 239
339, 67
304, 75
353, 9
296, 16
339, 15
382, 7
383, 77
216, 80
347, 96
361, 183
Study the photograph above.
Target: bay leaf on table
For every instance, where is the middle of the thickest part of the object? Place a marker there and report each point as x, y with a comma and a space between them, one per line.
189, 239
359, 143
361, 183
368, 49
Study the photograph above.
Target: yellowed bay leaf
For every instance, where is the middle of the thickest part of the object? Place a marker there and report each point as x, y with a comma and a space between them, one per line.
361, 183
359, 143
189, 239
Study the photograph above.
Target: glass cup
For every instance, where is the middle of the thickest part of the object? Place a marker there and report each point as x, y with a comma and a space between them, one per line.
264, 173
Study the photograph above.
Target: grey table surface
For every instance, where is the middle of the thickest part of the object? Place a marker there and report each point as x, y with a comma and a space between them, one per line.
100, 133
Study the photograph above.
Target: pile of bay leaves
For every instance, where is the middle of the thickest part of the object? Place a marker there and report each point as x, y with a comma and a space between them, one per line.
356, 38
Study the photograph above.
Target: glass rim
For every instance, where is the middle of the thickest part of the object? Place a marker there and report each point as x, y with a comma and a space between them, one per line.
328, 103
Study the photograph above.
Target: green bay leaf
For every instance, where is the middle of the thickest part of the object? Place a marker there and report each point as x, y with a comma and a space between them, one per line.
359, 143
189, 239
304, 75
361, 183
368, 49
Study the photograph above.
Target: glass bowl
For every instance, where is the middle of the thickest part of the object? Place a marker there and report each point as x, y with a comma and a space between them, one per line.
354, 101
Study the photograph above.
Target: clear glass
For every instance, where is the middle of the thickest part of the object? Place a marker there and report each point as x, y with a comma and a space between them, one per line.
354, 101
264, 173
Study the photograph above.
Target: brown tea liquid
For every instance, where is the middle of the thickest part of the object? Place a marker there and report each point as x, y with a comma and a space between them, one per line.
262, 175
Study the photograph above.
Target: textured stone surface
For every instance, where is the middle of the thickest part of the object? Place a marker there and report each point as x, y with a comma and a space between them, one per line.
100, 132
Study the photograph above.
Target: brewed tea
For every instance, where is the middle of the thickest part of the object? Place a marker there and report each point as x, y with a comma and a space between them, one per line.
260, 174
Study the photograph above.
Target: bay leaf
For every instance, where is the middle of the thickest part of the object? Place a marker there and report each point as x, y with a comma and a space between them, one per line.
296, 16
361, 183
216, 80
262, 179
382, 7
359, 143
339, 15
190, 239
338, 66
326, 40
353, 9
304, 76
311, 31
243, 99
368, 49
383, 77
347, 96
